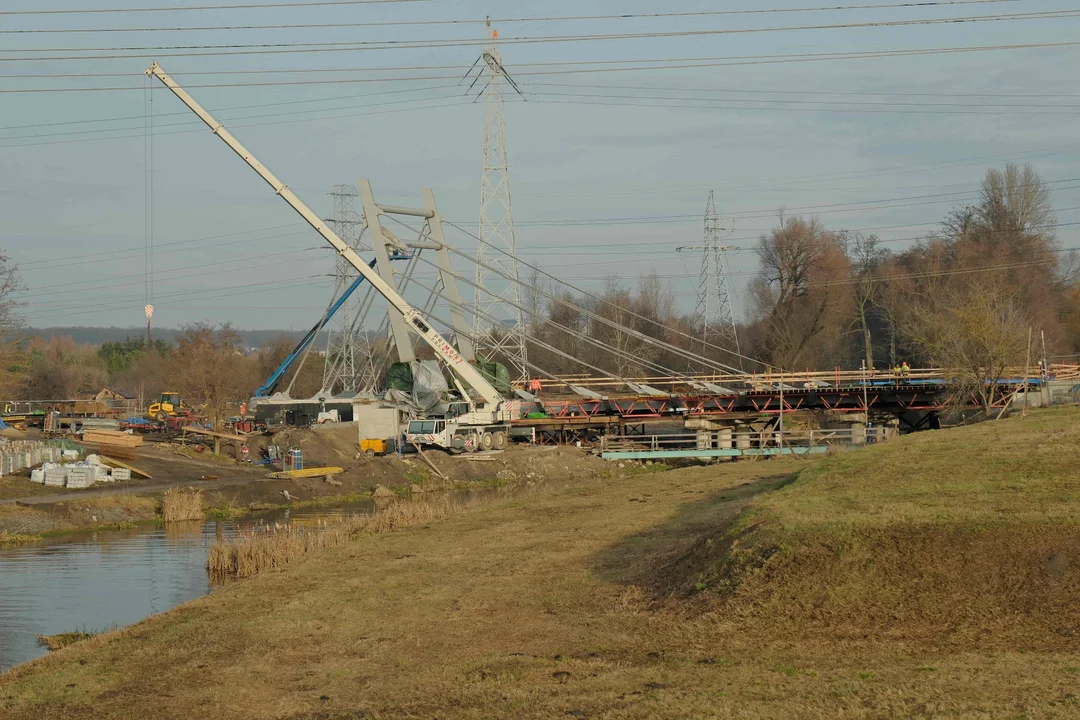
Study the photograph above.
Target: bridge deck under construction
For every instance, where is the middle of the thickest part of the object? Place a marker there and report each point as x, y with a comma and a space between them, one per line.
918, 391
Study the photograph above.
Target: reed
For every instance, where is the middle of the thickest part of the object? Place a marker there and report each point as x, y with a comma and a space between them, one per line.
52, 643
182, 505
14, 538
271, 547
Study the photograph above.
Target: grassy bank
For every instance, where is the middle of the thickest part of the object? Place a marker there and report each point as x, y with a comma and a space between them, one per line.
967, 537
757, 590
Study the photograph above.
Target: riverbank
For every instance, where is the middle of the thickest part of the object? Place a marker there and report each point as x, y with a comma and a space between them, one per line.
770, 589
238, 490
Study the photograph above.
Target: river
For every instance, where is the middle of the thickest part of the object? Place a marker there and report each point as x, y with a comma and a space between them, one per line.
111, 578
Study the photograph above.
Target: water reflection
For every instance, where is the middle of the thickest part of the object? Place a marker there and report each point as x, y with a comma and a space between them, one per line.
104, 579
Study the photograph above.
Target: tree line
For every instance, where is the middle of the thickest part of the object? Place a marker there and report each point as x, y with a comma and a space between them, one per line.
964, 298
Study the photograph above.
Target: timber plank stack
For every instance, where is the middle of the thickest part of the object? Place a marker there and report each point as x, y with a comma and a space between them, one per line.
112, 438
117, 451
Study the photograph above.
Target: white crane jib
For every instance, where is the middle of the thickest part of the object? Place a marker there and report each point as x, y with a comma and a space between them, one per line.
457, 364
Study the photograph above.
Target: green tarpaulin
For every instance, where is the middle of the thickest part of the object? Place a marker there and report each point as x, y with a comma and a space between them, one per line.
497, 374
399, 377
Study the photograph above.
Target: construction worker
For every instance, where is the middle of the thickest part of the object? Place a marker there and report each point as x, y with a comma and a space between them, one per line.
535, 386
905, 369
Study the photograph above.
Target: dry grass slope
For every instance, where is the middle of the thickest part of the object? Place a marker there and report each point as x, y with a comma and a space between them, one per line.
876, 584
968, 538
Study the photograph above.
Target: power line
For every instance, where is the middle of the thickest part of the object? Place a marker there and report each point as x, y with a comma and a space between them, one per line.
584, 67
263, 48
269, 285
771, 212
193, 124
505, 21
616, 101
826, 177
758, 91
432, 106
876, 103
182, 8
227, 109
87, 292
67, 260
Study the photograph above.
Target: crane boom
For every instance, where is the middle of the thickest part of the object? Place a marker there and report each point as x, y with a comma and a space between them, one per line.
438, 343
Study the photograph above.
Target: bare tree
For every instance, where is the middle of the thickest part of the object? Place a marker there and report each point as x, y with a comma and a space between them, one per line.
209, 368
867, 260
975, 331
13, 358
797, 297
618, 308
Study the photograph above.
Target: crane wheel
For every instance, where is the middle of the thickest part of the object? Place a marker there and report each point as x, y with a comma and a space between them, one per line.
486, 441
500, 439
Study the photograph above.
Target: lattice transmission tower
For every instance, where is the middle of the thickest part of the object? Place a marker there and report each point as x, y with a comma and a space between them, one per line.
499, 297
347, 340
714, 319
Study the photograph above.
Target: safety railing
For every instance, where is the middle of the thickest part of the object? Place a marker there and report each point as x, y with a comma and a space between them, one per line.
809, 379
744, 440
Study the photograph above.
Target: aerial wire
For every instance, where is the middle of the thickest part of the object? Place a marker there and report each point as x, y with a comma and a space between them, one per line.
255, 6
505, 21
283, 47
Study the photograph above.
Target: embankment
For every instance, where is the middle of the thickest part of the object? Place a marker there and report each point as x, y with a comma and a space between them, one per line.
967, 537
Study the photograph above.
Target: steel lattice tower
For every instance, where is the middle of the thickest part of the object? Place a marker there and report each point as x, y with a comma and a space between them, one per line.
722, 321
497, 249
714, 318
345, 344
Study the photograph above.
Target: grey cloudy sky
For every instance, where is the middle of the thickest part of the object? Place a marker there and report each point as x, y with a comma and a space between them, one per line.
610, 169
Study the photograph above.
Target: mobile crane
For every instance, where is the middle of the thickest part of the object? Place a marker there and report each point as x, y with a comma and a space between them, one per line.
470, 424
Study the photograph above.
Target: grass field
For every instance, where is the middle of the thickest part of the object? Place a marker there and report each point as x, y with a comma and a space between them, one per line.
937, 576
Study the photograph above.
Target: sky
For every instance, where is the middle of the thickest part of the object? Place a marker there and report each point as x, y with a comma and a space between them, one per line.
613, 145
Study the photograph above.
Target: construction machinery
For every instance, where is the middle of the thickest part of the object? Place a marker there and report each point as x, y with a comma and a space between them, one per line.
376, 446
470, 423
168, 405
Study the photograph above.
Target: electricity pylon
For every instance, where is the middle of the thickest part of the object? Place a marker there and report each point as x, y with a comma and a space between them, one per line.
495, 295
344, 344
714, 319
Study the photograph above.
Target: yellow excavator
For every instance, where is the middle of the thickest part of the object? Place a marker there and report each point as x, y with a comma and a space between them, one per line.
168, 405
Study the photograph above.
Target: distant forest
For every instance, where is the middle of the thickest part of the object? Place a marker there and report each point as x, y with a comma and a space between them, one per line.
99, 335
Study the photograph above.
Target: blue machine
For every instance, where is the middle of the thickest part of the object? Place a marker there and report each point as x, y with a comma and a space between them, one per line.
270, 385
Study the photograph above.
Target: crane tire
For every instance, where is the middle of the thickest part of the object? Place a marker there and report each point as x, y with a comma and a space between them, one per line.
486, 441
500, 439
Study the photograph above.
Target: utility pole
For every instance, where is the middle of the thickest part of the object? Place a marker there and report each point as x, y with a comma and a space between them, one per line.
495, 296
1027, 374
714, 319
344, 344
